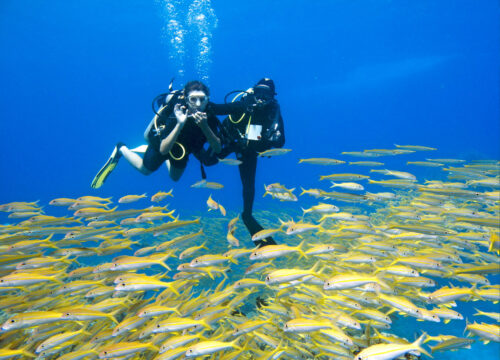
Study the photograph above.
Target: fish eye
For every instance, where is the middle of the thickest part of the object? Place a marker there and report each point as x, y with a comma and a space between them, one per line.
67, 314
158, 326
105, 353
12, 321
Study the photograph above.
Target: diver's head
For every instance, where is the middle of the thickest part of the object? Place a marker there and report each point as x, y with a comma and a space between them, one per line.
196, 94
264, 92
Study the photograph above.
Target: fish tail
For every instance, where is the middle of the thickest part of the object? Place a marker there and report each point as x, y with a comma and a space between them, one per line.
112, 318
176, 309
170, 214
418, 344
479, 312
474, 292
162, 263
54, 278
222, 210
382, 283
301, 251
210, 274
174, 290
28, 354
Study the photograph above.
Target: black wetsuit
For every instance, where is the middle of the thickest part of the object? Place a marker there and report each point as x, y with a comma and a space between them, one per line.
190, 140
233, 133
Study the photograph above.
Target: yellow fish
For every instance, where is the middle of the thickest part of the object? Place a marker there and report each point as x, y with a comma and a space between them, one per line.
213, 205
160, 195
130, 198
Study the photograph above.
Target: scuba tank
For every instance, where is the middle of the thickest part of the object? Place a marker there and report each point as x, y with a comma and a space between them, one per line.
162, 106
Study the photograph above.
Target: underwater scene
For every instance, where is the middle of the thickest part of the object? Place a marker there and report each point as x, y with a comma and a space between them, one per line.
250, 180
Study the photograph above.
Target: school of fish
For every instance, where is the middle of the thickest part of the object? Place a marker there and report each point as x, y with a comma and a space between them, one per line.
111, 282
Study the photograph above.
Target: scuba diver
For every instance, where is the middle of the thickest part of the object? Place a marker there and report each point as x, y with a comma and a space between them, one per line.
181, 126
254, 125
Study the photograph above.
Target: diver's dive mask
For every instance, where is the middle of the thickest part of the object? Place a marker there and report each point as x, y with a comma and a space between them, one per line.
197, 101
263, 95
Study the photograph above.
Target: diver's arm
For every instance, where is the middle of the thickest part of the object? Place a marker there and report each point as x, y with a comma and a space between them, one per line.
275, 134
226, 109
167, 143
201, 120
281, 128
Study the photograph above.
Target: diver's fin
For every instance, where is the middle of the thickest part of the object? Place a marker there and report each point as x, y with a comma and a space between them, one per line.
140, 149
110, 165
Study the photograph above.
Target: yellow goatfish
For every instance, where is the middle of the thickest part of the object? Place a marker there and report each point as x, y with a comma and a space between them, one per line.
160, 195
213, 205
124, 349
209, 347
391, 351
130, 198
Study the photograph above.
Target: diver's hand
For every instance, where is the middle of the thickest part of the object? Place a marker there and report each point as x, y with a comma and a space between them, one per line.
200, 118
181, 113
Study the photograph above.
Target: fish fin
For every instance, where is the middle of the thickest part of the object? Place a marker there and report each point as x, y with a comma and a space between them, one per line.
300, 250
418, 344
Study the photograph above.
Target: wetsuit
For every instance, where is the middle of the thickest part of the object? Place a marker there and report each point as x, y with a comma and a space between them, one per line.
234, 129
190, 140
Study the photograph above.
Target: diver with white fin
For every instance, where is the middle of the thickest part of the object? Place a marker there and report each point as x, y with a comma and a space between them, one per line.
181, 126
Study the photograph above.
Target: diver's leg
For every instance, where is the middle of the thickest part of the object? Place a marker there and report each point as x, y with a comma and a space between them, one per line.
134, 159
108, 167
174, 171
247, 174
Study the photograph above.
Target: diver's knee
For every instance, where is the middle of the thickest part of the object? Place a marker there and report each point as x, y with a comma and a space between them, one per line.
246, 216
145, 171
175, 175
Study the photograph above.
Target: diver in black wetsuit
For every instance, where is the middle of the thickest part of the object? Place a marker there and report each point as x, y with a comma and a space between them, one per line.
254, 125
182, 125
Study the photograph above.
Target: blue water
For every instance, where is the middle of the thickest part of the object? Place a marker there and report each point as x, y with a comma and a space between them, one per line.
78, 76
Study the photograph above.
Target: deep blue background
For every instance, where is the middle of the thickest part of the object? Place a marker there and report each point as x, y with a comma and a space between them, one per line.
78, 76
